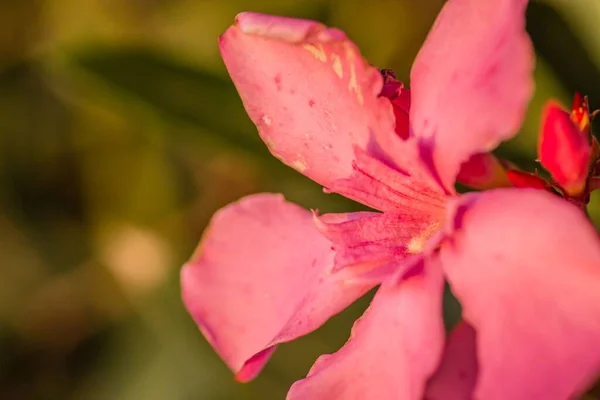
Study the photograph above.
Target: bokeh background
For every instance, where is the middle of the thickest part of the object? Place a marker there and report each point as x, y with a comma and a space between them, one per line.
120, 135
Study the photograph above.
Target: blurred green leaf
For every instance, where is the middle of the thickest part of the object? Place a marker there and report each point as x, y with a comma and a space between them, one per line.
389, 33
176, 91
565, 53
39, 165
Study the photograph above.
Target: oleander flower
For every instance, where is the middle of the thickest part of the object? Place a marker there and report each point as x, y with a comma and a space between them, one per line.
524, 263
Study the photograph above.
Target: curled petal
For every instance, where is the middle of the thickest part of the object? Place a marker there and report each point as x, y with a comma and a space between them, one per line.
471, 82
483, 171
393, 349
401, 113
260, 276
564, 150
308, 90
456, 376
399, 97
525, 266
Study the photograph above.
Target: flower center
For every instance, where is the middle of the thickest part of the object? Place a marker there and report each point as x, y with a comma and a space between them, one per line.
417, 244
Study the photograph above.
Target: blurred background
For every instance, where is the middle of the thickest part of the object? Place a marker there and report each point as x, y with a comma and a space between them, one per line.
120, 135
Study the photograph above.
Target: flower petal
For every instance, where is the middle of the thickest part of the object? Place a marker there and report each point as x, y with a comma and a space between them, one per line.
522, 179
564, 150
525, 265
399, 97
308, 90
471, 82
483, 171
368, 240
260, 276
457, 373
393, 349
404, 188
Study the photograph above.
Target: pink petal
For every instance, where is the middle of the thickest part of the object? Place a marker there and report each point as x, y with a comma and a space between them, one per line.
399, 97
308, 90
393, 348
525, 265
254, 365
471, 82
368, 240
522, 179
456, 376
260, 276
483, 171
564, 150
402, 189
401, 113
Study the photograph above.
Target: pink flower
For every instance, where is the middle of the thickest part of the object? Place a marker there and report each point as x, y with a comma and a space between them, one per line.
524, 263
